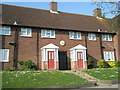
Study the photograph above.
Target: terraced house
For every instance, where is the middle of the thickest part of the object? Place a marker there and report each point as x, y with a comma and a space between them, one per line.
55, 40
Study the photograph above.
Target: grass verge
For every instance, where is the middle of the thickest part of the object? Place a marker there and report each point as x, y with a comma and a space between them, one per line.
36, 79
104, 73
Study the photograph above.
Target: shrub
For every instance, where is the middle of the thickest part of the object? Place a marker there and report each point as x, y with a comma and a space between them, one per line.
103, 64
91, 63
112, 64
27, 65
117, 63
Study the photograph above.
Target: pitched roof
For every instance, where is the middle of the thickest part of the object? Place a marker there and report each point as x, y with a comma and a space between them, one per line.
44, 18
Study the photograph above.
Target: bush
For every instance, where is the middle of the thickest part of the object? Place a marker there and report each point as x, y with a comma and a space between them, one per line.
103, 64
117, 63
27, 65
112, 64
91, 63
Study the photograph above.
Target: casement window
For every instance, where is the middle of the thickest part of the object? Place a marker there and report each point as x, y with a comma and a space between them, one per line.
109, 56
4, 55
91, 36
75, 35
5, 30
26, 32
47, 33
106, 37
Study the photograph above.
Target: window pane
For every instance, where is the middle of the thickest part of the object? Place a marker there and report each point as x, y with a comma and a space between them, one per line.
75, 35
52, 33
28, 32
7, 32
1, 31
71, 34
79, 35
48, 33
23, 32
42, 32
1, 54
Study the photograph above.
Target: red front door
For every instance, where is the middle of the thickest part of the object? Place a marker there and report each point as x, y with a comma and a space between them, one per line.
50, 59
80, 59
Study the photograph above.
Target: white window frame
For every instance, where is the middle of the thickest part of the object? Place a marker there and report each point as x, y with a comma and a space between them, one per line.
26, 32
105, 36
72, 35
2, 54
91, 36
3, 30
44, 33
111, 56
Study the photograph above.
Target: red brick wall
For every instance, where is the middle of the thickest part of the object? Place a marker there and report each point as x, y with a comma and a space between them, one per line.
6, 40
27, 46
94, 49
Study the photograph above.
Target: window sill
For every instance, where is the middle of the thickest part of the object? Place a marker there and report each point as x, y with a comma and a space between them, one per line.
4, 61
107, 41
6, 35
110, 60
26, 36
92, 40
75, 39
49, 37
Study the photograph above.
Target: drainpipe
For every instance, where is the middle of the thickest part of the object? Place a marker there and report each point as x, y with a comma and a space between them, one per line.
86, 45
37, 48
15, 57
101, 47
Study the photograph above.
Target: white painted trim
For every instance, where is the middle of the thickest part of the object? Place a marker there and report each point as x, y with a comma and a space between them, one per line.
4, 29
6, 56
54, 12
30, 35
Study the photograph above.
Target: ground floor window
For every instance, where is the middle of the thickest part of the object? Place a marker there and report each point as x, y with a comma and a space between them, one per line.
4, 55
109, 55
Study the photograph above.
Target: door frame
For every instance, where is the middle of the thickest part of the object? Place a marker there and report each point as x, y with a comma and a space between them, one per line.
66, 60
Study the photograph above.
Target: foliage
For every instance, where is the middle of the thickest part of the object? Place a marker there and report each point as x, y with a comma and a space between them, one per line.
108, 8
117, 63
112, 64
91, 63
27, 65
102, 64
37, 79
104, 73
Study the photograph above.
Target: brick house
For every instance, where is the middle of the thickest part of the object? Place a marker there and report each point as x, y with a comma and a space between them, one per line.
54, 40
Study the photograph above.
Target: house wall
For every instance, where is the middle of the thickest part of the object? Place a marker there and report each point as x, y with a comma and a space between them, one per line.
27, 46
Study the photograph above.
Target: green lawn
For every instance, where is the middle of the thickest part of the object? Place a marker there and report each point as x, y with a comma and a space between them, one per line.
34, 79
104, 73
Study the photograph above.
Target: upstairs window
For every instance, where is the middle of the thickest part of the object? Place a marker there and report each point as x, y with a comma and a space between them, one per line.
47, 33
108, 55
26, 32
91, 36
4, 55
5, 30
75, 35
106, 37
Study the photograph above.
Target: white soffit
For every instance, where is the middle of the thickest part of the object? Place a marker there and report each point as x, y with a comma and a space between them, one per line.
50, 46
79, 47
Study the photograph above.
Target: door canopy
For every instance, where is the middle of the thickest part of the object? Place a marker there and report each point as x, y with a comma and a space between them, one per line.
50, 46
79, 47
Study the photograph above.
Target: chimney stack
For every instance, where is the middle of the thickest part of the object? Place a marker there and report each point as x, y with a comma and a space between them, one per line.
53, 6
97, 13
